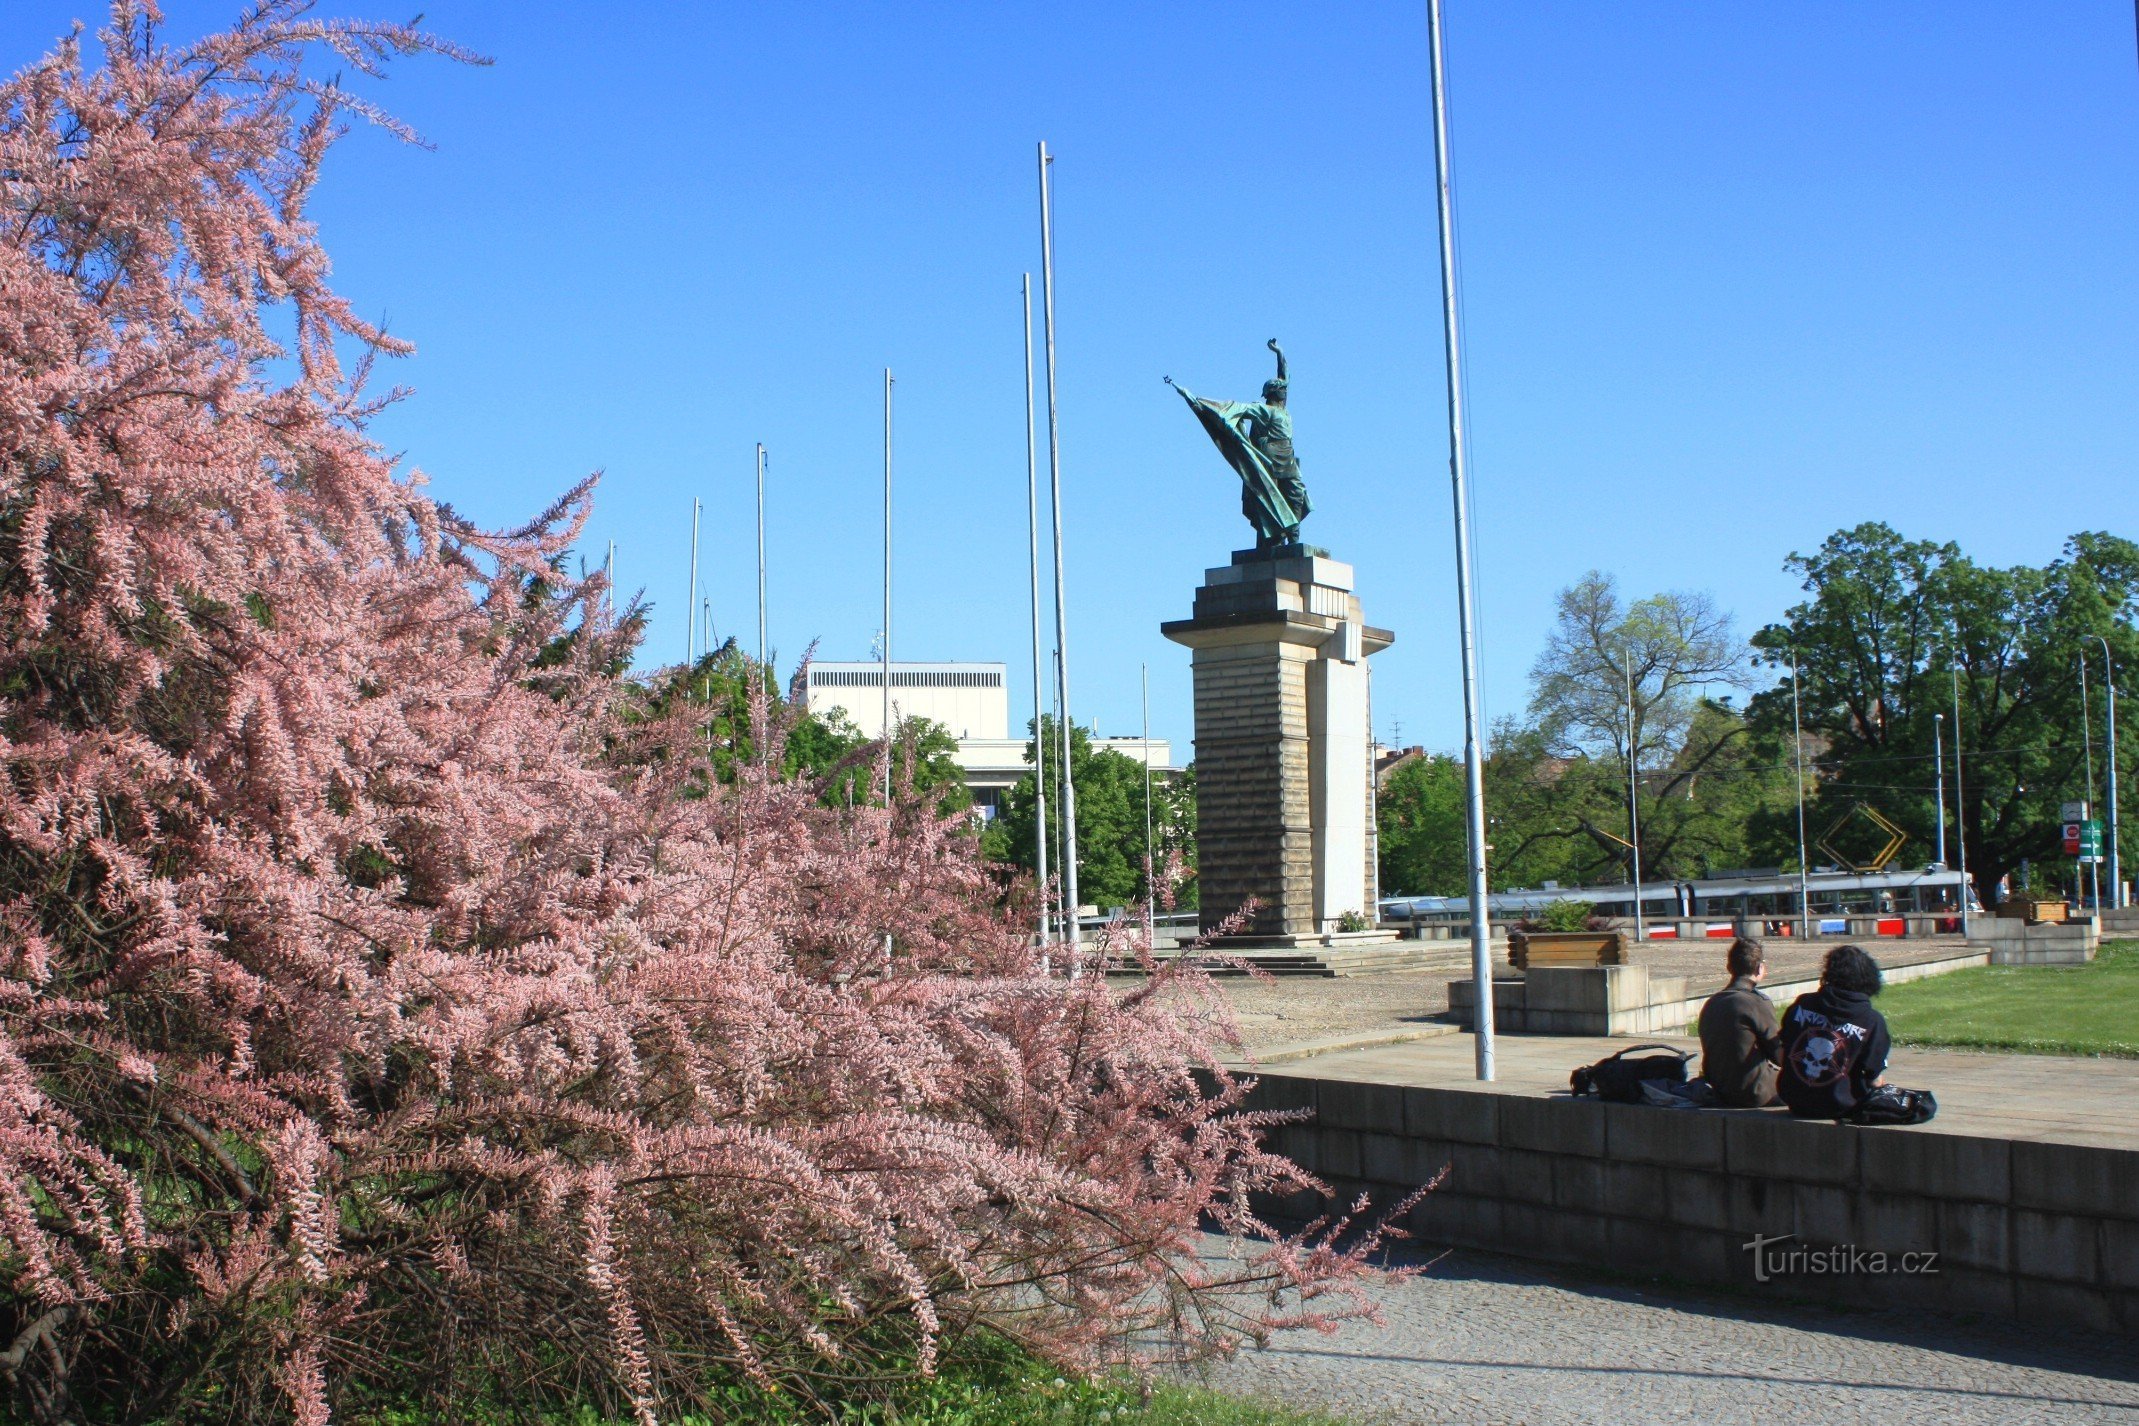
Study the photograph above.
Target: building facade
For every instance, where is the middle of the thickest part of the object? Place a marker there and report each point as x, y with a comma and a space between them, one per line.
972, 701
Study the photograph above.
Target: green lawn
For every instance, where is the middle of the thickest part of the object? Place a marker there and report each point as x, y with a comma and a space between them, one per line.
2041, 1010
993, 1386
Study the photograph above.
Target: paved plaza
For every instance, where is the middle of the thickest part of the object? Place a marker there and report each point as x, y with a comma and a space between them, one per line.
1486, 1339
1280, 1012
1482, 1338
2045, 1098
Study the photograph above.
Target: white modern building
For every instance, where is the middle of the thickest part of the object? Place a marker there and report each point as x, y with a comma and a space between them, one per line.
971, 700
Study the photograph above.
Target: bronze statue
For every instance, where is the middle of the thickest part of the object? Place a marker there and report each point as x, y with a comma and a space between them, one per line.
1255, 437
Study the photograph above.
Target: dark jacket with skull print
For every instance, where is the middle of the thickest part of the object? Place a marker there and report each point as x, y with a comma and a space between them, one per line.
1834, 1048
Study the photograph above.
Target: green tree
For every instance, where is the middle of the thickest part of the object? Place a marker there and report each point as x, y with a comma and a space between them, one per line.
1889, 629
1110, 822
1420, 821
827, 747
1616, 676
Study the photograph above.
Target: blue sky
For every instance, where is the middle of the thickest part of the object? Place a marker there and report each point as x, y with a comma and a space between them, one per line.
1734, 276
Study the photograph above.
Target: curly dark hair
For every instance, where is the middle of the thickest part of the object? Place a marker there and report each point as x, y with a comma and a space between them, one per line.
1849, 968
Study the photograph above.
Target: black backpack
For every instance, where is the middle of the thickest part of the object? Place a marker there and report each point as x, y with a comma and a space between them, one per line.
1619, 1079
1888, 1105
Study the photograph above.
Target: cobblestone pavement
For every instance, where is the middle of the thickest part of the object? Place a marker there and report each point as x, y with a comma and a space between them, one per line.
1287, 1009
1486, 1339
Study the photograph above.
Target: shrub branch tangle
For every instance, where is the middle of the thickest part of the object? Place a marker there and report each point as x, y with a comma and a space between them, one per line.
393, 1007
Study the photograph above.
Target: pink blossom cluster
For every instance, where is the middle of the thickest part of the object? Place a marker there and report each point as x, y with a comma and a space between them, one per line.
387, 1009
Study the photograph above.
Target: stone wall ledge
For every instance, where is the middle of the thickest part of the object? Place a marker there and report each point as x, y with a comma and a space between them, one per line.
2047, 1230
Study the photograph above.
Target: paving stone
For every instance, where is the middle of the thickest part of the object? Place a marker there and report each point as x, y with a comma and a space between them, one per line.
1486, 1339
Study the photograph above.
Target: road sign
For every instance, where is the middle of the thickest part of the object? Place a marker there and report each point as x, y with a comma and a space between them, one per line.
2071, 833
2090, 841
2072, 812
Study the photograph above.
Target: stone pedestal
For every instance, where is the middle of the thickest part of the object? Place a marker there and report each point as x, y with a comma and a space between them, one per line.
1284, 770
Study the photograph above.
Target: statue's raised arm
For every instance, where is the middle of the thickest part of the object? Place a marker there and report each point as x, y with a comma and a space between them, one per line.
1255, 437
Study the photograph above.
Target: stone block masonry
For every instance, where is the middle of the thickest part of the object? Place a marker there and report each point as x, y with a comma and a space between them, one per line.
2047, 1231
1283, 763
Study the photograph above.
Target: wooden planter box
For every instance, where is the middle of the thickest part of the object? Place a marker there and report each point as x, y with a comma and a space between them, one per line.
2035, 913
1566, 948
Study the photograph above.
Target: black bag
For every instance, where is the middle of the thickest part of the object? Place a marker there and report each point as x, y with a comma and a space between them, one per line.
1888, 1105
1619, 1079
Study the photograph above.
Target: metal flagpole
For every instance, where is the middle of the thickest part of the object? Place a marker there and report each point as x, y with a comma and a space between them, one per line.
1633, 805
609, 575
887, 586
2116, 868
761, 559
690, 615
1039, 704
1466, 610
1938, 753
1804, 855
1054, 480
1062, 912
1151, 894
1960, 803
2087, 743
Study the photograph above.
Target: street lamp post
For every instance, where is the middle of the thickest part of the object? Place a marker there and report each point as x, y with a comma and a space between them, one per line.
1797, 746
1938, 746
1960, 802
2116, 868
2094, 869
1633, 805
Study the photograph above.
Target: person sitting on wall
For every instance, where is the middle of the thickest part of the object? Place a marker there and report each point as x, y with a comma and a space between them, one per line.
1740, 1043
1834, 1044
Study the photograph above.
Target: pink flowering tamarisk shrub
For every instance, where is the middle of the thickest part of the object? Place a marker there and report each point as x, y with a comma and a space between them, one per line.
393, 1008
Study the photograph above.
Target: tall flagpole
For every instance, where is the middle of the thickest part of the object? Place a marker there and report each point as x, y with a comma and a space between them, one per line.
1054, 481
1633, 794
761, 559
609, 576
887, 586
1039, 723
2116, 867
690, 615
1960, 802
1797, 752
2087, 742
1151, 894
1466, 607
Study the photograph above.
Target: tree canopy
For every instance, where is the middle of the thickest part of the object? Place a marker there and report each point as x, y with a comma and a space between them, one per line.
1894, 631
1110, 823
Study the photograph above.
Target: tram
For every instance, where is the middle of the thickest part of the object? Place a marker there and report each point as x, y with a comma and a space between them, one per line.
1758, 894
